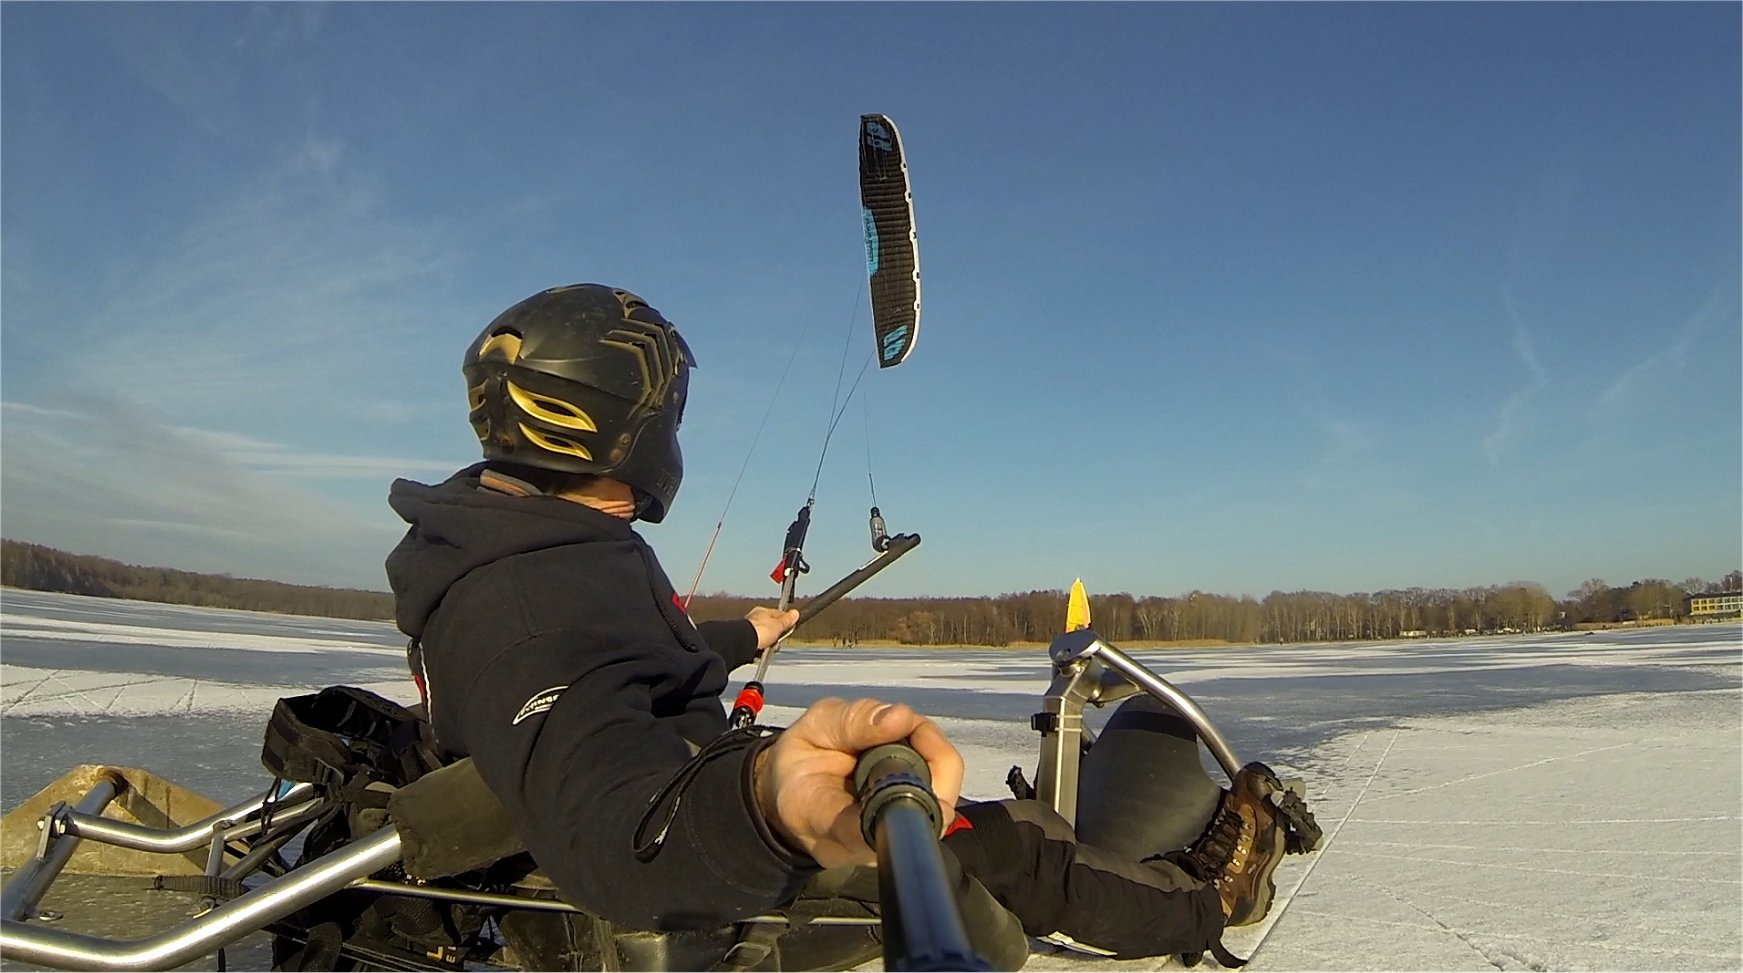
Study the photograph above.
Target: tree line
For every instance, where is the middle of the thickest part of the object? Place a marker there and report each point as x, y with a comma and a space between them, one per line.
1300, 616
49, 569
1033, 616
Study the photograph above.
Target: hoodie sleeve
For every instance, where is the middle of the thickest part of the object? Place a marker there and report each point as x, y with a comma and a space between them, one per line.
576, 731
578, 777
733, 639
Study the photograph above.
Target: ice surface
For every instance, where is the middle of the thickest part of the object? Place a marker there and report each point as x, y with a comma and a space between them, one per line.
1526, 802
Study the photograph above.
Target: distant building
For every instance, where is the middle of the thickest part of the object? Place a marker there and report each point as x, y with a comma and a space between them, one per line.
1719, 604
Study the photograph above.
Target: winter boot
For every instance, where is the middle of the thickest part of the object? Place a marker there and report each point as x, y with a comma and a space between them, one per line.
1242, 845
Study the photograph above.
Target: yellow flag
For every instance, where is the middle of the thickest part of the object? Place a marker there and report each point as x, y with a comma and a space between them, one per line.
1077, 611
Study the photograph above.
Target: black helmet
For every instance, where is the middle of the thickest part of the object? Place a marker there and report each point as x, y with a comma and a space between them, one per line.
584, 379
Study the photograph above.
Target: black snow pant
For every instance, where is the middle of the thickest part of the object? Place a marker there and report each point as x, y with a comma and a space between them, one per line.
1029, 859
1108, 884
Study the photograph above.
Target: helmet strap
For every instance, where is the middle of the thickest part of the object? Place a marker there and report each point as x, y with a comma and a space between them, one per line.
643, 503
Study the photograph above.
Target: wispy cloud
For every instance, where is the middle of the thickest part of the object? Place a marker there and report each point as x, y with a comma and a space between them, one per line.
279, 459
290, 299
1510, 425
1352, 475
98, 476
1345, 443
1657, 370
205, 81
179, 528
184, 410
271, 26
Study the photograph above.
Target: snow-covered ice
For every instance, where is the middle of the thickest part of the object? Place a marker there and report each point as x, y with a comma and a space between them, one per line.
1524, 802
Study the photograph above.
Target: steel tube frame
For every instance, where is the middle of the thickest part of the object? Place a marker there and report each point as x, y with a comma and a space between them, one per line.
1089, 670
509, 901
223, 925
1167, 692
171, 840
168, 842
26, 886
257, 855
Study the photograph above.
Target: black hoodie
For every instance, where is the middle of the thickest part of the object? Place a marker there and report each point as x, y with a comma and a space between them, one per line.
555, 653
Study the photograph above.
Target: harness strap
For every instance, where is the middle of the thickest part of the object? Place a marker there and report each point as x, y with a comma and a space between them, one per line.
753, 947
1226, 958
209, 885
665, 802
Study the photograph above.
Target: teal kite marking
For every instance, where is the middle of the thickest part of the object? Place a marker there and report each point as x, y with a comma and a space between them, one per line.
894, 341
871, 242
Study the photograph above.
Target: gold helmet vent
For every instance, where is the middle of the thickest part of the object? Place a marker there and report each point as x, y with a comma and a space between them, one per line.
554, 411
504, 345
556, 444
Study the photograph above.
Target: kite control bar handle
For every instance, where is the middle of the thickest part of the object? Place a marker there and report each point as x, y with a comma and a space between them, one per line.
899, 545
749, 703
900, 818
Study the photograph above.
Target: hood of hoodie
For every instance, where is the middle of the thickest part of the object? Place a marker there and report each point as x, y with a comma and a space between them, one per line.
458, 525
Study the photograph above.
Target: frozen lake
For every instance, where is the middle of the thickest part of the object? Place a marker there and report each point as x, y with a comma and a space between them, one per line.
1558, 801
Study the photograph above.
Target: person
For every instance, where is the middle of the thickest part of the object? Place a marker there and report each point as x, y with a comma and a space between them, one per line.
550, 646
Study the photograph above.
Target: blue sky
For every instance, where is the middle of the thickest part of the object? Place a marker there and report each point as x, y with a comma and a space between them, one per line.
1227, 297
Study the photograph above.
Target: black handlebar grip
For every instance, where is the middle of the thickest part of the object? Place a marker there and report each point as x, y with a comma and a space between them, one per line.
893, 772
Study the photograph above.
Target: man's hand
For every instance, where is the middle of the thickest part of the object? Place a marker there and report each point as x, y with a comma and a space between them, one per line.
771, 624
804, 782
